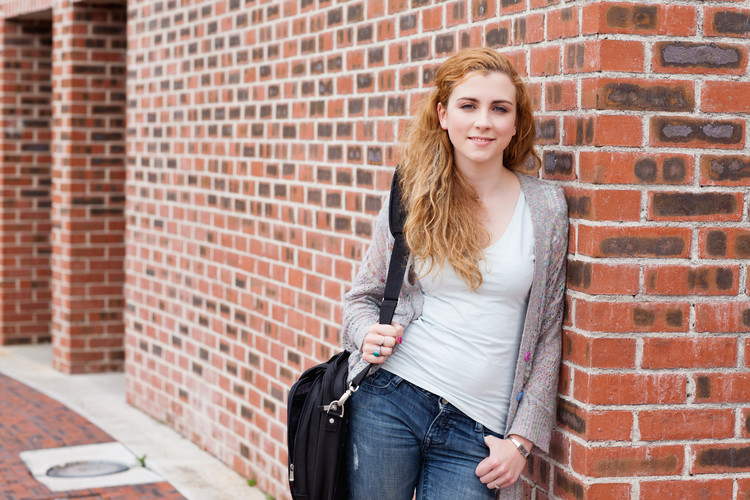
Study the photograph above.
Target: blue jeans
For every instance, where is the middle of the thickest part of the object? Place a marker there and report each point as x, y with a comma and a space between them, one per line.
402, 438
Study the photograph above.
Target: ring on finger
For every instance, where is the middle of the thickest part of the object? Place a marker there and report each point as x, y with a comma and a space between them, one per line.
376, 353
382, 340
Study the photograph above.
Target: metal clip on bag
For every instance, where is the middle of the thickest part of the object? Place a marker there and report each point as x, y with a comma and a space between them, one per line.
317, 419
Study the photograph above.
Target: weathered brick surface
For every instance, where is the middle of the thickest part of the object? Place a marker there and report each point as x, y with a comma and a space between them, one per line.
25, 181
260, 139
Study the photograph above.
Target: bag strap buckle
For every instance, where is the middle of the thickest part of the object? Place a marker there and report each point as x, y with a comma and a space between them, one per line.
334, 406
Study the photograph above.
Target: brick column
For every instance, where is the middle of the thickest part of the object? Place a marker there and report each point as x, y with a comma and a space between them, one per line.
655, 380
25, 108
88, 187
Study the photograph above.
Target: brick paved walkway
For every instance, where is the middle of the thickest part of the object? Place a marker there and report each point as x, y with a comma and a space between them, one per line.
30, 420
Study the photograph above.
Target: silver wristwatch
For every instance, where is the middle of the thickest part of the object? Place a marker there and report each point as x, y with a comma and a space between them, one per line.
523, 451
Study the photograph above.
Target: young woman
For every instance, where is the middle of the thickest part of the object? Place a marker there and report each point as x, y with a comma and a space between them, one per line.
468, 370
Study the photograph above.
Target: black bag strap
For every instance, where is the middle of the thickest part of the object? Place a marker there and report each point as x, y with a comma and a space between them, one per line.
396, 266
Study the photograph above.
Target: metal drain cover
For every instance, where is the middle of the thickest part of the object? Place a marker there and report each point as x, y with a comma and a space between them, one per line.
87, 468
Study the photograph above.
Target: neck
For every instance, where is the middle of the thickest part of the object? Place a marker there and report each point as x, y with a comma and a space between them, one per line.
487, 182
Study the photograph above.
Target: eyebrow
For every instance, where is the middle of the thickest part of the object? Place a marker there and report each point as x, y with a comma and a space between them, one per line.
475, 100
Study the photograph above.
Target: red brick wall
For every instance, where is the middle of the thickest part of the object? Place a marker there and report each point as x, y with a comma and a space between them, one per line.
88, 184
261, 137
25, 176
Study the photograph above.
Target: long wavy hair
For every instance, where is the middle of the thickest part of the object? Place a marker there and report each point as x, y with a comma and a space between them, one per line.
444, 213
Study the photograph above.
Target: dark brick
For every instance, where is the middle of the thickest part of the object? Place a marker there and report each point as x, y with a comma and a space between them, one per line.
407, 22
691, 55
640, 17
683, 130
568, 485
652, 98
727, 168
568, 417
509, 3
420, 50
732, 23
444, 44
579, 206
694, 204
546, 129
674, 169
579, 274
733, 458
645, 170
742, 245
557, 163
584, 130
629, 246
497, 37
643, 317
716, 243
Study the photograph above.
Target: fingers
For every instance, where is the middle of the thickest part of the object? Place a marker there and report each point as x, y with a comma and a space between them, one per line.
380, 342
503, 466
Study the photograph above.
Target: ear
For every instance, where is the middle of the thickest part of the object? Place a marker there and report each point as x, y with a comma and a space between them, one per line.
441, 111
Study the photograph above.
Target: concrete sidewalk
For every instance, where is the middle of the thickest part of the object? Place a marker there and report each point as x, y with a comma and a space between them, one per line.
100, 400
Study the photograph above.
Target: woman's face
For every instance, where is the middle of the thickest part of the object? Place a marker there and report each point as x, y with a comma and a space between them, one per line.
480, 118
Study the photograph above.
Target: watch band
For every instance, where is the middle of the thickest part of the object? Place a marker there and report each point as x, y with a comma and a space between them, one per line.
521, 449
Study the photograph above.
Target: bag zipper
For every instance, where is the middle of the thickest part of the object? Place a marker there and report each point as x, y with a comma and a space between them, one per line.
291, 473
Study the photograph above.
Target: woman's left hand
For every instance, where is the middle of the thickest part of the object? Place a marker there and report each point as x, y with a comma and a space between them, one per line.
504, 465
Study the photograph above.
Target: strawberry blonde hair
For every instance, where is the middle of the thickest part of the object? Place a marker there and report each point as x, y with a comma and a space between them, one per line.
443, 221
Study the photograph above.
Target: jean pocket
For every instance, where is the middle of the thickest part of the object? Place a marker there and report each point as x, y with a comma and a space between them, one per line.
381, 382
480, 431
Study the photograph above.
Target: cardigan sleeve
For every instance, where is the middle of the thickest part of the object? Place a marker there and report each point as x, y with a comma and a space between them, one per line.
362, 302
535, 416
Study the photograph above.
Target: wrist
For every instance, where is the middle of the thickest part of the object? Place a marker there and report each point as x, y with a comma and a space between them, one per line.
522, 445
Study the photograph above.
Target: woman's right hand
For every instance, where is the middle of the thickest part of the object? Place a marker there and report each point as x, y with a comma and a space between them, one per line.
380, 342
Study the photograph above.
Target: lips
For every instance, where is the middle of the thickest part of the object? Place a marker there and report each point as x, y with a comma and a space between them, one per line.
481, 140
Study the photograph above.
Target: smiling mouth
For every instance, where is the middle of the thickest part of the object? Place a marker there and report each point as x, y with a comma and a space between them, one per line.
481, 140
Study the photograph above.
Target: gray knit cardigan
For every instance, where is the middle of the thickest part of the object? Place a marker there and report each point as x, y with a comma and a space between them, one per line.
532, 407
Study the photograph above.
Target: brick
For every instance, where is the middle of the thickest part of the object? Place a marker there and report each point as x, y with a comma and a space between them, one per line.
724, 170
697, 133
512, 6
528, 29
548, 132
558, 164
726, 22
627, 461
562, 23
545, 61
482, 9
745, 415
621, 55
691, 280
713, 206
720, 458
629, 388
603, 130
595, 425
624, 242
685, 424
604, 204
637, 94
599, 278
743, 492
686, 489
680, 352
497, 35
722, 317
639, 18
560, 96
633, 168
724, 243
722, 387
725, 97
622, 317
692, 58
598, 352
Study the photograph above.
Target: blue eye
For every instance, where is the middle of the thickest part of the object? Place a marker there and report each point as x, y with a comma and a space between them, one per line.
467, 106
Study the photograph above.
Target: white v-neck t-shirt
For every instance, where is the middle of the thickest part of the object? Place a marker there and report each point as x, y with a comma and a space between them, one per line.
464, 346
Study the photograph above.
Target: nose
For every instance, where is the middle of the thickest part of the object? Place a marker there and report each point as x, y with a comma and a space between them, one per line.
482, 120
